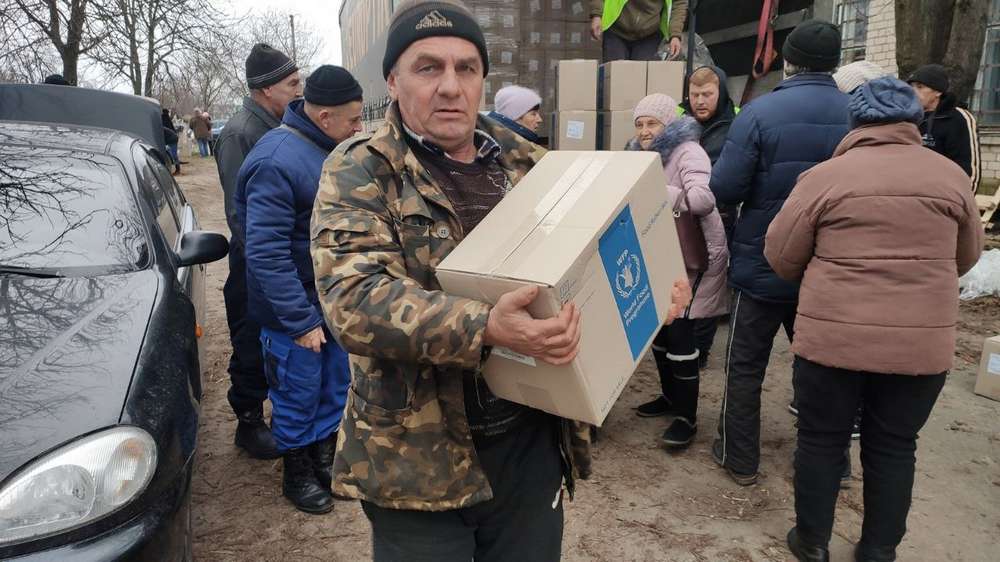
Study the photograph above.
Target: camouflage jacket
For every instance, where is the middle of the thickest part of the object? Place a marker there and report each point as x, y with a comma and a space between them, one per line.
380, 226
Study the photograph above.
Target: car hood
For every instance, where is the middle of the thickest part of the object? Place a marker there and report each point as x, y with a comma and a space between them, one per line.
68, 349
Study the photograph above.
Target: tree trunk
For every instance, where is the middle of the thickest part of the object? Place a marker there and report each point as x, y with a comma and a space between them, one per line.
70, 63
946, 32
965, 50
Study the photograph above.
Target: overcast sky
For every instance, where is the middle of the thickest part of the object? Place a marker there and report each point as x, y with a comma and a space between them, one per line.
321, 15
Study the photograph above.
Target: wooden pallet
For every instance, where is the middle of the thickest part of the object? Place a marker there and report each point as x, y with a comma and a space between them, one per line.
987, 207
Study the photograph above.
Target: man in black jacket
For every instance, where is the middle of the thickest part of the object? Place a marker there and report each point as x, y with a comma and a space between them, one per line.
274, 81
947, 129
709, 102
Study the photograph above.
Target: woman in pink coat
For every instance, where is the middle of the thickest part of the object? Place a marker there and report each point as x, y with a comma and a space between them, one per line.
688, 169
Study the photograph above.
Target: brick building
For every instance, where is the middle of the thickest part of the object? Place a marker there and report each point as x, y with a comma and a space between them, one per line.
869, 28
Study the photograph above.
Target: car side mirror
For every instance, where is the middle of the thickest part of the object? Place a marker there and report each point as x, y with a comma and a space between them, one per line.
199, 246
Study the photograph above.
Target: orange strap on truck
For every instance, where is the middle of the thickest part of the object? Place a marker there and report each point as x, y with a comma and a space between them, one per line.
764, 53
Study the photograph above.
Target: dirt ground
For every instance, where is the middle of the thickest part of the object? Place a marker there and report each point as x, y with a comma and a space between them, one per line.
642, 502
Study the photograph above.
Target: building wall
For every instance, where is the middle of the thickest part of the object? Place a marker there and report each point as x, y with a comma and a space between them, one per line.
880, 47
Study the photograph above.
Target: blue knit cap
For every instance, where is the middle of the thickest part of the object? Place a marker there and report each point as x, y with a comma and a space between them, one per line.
884, 100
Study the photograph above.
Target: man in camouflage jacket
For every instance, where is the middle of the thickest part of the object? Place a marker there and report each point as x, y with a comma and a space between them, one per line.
434, 485
381, 224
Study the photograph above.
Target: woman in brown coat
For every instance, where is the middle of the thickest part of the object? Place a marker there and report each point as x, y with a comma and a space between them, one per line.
878, 235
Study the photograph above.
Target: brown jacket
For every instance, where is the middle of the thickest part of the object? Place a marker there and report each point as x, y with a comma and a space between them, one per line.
201, 127
878, 235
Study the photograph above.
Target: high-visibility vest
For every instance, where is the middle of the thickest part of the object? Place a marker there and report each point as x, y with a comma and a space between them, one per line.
613, 9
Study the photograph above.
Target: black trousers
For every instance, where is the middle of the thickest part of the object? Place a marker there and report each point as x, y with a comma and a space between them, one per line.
616, 47
704, 334
752, 327
523, 521
896, 408
676, 358
248, 385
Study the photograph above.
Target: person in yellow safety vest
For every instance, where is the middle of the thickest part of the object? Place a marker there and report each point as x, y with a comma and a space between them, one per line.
634, 29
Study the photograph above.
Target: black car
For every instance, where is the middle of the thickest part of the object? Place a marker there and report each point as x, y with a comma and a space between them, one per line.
101, 307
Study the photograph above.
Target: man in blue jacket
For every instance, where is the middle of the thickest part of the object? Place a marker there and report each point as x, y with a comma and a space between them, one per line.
772, 140
307, 372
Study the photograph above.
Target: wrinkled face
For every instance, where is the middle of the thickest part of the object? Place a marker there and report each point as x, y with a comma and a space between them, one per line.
438, 82
704, 100
929, 97
532, 120
340, 122
281, 94
646, 129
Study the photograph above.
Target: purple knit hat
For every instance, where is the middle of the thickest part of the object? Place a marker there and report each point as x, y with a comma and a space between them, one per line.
661, 107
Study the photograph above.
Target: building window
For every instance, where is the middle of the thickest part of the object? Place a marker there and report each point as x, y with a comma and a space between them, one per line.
852, 17
986, 96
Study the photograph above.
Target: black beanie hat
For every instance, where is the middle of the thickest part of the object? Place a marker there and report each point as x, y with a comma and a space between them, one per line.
267, 66
418, 19
813, 44
331, 85
933, 76
56, 79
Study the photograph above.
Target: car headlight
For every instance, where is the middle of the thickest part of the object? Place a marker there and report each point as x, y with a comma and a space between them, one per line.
77, 483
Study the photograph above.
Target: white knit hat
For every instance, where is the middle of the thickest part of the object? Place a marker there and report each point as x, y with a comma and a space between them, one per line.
514, 101
850, 76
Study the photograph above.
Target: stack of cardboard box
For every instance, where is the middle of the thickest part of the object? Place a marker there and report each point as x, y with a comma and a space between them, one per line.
527, 38
574, 123
623, 84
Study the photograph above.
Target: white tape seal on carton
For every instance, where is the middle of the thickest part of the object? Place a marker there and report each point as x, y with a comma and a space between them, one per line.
514, 356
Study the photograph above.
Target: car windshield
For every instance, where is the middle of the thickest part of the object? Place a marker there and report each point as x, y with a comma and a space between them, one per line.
67, 214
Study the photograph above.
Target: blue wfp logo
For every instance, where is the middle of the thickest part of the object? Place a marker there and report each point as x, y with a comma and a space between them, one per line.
629, 274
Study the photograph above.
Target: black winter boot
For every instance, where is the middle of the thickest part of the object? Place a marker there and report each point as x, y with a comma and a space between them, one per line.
805, 552
864, 553
321, 453
254, 436
300, 486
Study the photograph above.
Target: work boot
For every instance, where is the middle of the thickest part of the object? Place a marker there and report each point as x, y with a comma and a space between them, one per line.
806, 552
254, 436
300, 486
321, 453
864, 553
680, 433
659, 406
740, 478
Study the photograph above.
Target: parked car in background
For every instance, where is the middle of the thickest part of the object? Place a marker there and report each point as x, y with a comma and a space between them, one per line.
102, 287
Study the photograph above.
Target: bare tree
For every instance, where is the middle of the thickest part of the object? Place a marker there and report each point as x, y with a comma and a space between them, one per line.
145, 35
274, 28
67, 24
947, 32
213, 76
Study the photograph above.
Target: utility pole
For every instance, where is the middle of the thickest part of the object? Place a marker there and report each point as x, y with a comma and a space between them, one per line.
291, 20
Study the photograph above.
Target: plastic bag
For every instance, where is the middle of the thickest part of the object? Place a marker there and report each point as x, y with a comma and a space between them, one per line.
702, 57
984, 279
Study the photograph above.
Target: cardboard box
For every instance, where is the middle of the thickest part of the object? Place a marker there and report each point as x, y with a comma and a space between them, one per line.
665, 77
988, 381
594, 228
574, 130
617, 128
576, 85
623, 84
